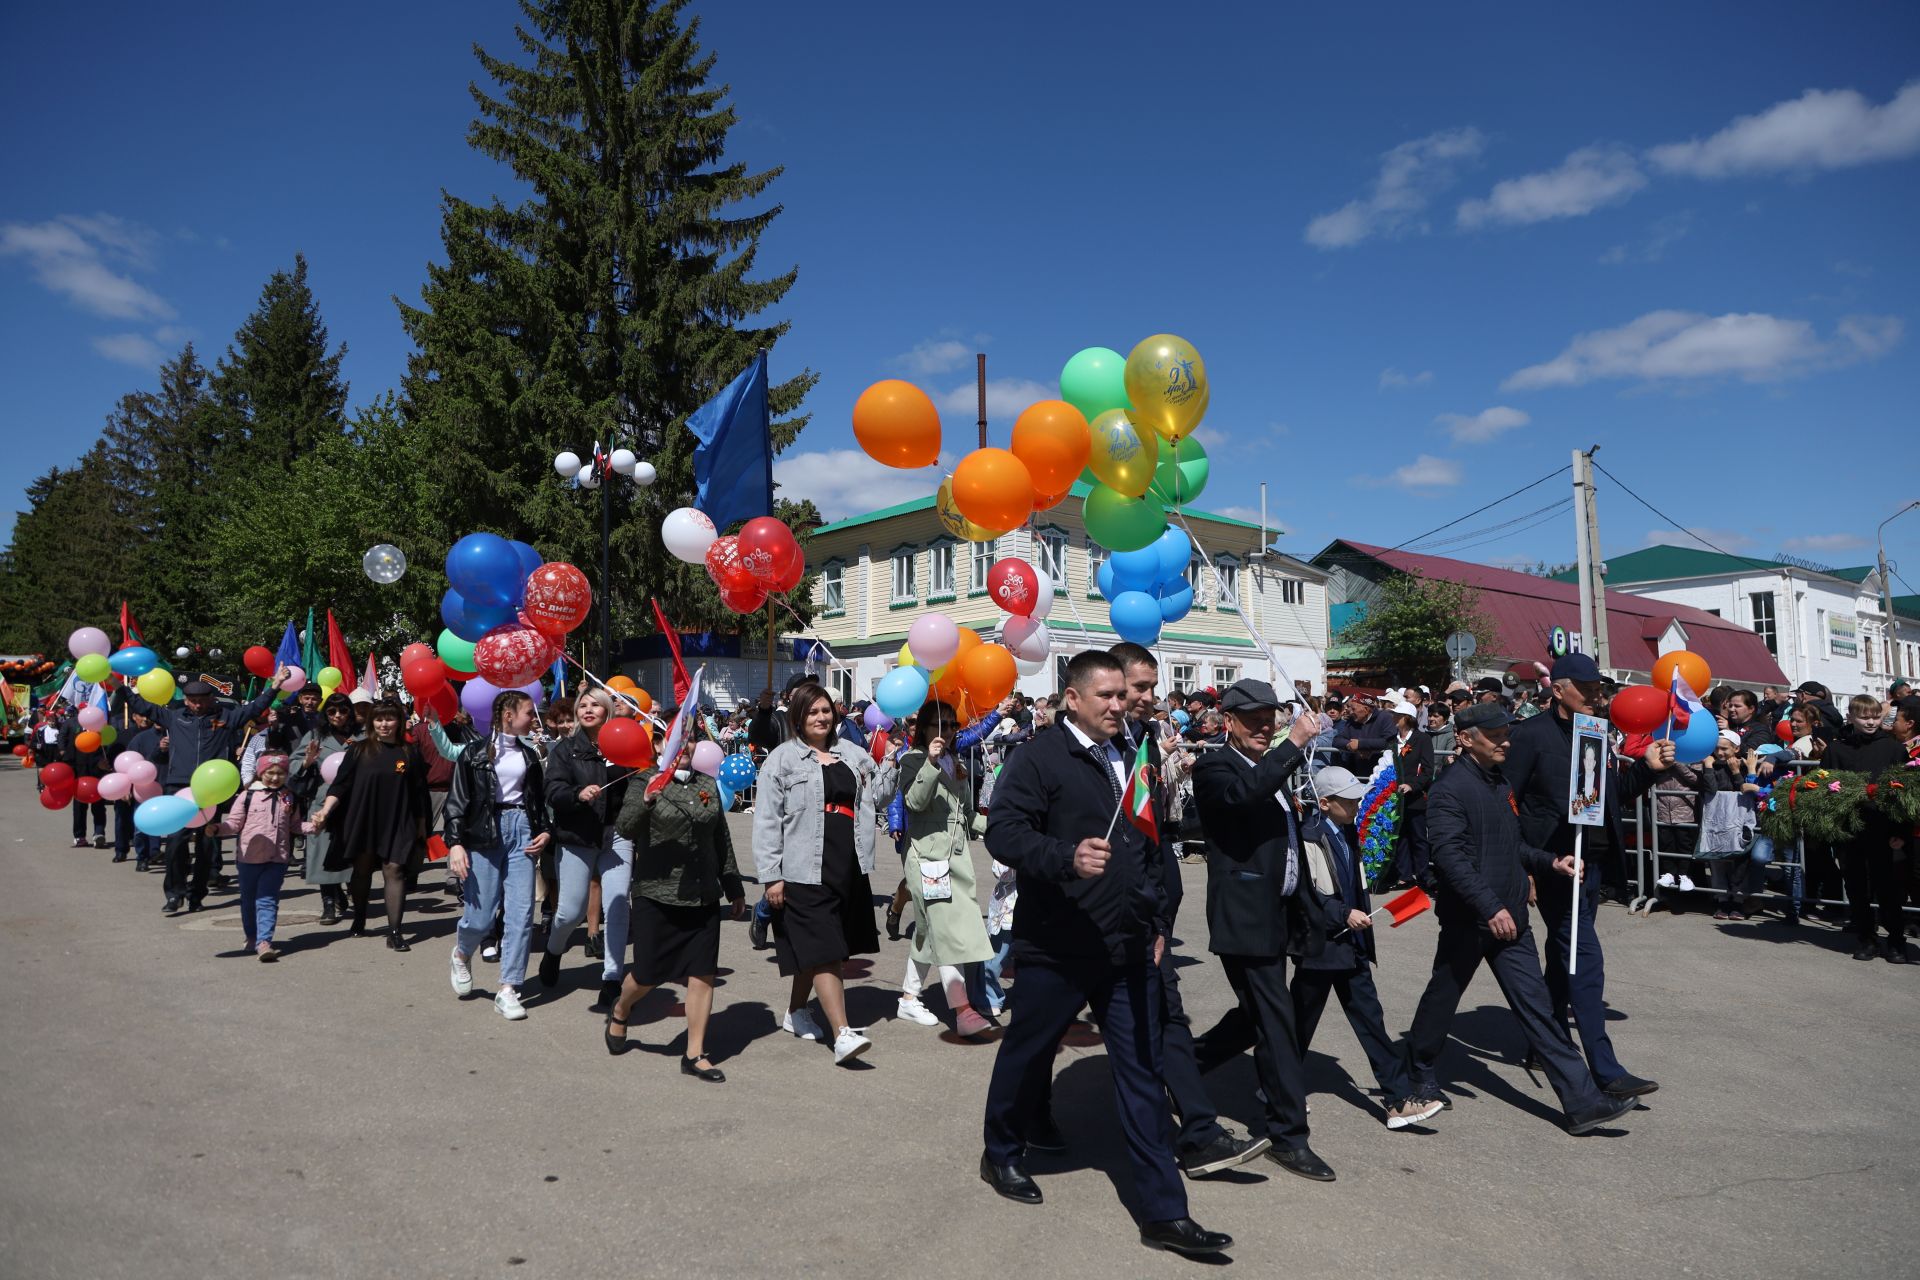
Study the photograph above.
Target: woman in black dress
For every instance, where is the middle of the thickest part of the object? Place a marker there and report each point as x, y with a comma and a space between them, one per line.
382, 787
683, 863
813, 827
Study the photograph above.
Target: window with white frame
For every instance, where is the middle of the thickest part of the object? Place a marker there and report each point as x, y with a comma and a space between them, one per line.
840, 680
833, 587
1229, 570
940, 570
984, 554
1293, 591
1051, 546
1225, 673
903, 592
1763, 622
1096, 556
1180, 677
1197, 578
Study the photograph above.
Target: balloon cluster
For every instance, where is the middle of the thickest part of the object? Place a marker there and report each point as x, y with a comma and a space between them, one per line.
1147, 587
1645, 708
95, 661
763, 559
506, 615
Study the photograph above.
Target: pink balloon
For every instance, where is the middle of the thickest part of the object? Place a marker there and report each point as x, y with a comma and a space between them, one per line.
115, 786
89, 640
296, 680
933, 640
707, 757
146, 790
92, 717
200, 816
330, 767
139, 768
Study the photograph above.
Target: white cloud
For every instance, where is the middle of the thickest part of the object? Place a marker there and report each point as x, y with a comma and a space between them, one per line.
1411, 174
1821, 129
1243, 513
1424, 472
1824, 543
846, 482
1394, 380
1211, 438
1662, 236
1006, 397
1753, 346
130, 348
1730, 540
1479, 428
935, 355
1588, 179
84, 260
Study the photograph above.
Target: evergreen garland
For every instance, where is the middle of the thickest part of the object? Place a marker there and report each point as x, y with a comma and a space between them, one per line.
1829, 806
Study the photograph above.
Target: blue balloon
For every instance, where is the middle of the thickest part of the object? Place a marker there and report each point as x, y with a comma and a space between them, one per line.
1136, 617
1135, 570
738, 770
1175, 551
1176, 600
901, 691
470, 621
1697, 741
164, 815
1104, 580
726, 794
485, 569
529, 561
134, 660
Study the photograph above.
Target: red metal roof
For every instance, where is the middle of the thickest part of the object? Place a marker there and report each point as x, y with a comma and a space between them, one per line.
1525, 609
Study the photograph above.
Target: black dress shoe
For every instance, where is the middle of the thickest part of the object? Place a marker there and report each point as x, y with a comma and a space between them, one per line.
119, 857
549, 969
172, 908
893, 924
1896, 951
194, 905
596, 948
1532, 1064
712, 1075
757, 934
1183, 1235
396, 943
1046, 1137
1867, 951
1302, 1162
1010, 1180
1628, 1086
616, 1045
329, 913
1610, 1109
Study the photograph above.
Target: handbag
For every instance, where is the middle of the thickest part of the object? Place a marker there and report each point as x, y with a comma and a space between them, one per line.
936, 880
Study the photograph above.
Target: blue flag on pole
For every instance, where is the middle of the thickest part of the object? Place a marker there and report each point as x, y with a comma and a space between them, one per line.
733, 464
289, 651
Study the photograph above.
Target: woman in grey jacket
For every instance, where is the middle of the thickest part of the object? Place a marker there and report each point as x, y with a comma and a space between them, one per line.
813, 825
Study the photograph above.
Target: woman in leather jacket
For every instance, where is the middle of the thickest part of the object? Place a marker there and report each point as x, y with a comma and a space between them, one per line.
584, 806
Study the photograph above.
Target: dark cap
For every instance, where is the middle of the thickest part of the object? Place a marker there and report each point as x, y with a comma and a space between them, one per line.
1577, 667
1250, 695
1481, 715
1488, 684
1813, 687
196, 689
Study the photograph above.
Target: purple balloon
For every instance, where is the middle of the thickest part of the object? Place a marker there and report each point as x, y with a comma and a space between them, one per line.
534, 691
477, 696
876, 719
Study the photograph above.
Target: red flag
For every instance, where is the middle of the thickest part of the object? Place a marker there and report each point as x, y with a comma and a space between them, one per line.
129, 628
1406, 906
878, 747
1140, 796
372, 678
340, 657
680, 678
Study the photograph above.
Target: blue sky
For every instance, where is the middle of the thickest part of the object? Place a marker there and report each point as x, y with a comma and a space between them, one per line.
1423, 256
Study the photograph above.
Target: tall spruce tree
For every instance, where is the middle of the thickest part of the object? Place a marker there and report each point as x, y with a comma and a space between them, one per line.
606, 306
68, 556
278, 390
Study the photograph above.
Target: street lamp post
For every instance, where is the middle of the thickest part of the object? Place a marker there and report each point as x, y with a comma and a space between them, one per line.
1886, 590
590, 474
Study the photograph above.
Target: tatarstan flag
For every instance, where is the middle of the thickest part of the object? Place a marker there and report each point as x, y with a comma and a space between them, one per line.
1140, 795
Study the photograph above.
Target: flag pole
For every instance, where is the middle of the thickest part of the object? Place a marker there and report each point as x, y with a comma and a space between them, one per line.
1573, 924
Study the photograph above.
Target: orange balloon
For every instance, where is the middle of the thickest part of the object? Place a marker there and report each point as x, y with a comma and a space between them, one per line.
1052, 438
992, 488
86, 742
621, 683
952, 682
896, 423
1692, 668
1048, 501
642, 697
990, 674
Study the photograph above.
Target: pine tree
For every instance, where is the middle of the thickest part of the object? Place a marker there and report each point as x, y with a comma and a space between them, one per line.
605, 307
67, 557
278, 391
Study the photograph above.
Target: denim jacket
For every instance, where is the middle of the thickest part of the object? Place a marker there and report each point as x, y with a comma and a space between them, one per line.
789, 811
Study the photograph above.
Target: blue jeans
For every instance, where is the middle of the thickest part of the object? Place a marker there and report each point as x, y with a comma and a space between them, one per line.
983, 980
260, 898
577, 866
500, 879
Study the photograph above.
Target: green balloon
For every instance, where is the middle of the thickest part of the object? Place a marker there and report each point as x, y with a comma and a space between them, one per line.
454, 651
1177, 488
1094, 381
93, 668
215, 782
1120, 523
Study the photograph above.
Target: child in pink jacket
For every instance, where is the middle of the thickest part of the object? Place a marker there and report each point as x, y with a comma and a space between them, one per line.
262, 822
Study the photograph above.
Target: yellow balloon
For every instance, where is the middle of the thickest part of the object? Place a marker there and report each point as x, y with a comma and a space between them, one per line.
1167, 382
156, 686
1124, 455
906, 656
956, 523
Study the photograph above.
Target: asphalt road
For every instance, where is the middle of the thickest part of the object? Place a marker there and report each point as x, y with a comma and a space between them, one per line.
170, 1107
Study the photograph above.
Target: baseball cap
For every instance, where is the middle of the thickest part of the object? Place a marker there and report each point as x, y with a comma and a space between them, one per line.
1338, 784
359, 697
1577, 667
1249, 695
1488, 684
1813, 687
1482, 715
196, 689
1405, 709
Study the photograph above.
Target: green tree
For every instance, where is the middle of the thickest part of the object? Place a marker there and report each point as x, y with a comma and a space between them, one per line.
605, 307
65, 563
1405, 627
277, 390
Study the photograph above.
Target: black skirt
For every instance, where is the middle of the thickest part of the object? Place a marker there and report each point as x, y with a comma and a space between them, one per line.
831, 921
672, 944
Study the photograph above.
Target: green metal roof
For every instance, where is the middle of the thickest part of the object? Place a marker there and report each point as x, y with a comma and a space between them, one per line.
1080, 490
1655, 564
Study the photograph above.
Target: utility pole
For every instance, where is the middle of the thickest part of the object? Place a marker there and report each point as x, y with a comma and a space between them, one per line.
1886, 590
980, 383
1593, 579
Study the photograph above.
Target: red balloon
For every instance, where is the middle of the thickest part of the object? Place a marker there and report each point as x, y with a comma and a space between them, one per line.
511, 656
87, 790
445, 703
1014, 586
423, 676
791, 578
750, 598
625, 741
259, 660
723, 559
416, 650
1784, 731
767, 548
1640, 709
55, 800
558, 599
57, 777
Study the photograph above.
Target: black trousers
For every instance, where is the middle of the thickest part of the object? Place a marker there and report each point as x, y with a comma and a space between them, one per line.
1516, 967
1361, 1003
80, 808
1125, 998
1410, 847
1199, 1121
1872, 876
1584, 994
189, 864
1261, 985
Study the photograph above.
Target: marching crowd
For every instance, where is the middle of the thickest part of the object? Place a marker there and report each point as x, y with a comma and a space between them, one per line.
1084, 801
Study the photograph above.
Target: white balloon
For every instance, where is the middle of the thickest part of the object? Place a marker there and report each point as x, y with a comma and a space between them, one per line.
384, 563
567, 464
622, 460
688, 533
1026, 668
1043, 600
1028, 639
644, 474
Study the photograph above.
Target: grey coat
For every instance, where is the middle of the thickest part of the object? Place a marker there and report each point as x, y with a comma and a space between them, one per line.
789, 810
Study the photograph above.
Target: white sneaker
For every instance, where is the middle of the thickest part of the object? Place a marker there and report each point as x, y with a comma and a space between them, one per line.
912, 1010
507, 1001
460, 975
491, 953
849, 1044
799, 1022
1666, 880
1686, 884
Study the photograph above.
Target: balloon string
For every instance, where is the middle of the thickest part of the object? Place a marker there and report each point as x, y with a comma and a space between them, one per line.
832, 661
610, 691
1220, 589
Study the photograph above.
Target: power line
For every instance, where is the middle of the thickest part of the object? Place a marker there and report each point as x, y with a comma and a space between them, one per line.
1477, 510
1769, 566
1471, 534
1553, 513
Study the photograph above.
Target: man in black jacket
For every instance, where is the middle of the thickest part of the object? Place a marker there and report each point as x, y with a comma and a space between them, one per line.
1481, 865
1361, 735
1413, 776
1539, 769
1090, 930
1255, 914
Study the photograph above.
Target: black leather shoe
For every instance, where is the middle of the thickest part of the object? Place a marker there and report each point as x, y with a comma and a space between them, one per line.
119, 857
1046, 1137
1628, 1086
1867, 951
616, 1045
1896, 951
757, 934
712, 1075
329, 912
893, 925
397, 943
1183, 1235
596, 949
1302, 1162
172, 908
1010, 1180
549, 969
1532, 1065
1223, 1153
1609, 1111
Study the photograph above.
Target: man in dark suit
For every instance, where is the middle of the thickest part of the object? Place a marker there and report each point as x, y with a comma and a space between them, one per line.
1090, 929
1480, 865
1413, 774
1255, 914
1539, 768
